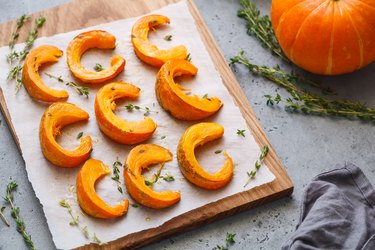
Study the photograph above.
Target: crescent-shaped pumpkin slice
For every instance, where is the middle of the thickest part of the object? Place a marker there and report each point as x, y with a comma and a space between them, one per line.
56, 116
93, 39
31, 79
114, 127
171, 97
148, 52
88, 199
198, 135
139, 159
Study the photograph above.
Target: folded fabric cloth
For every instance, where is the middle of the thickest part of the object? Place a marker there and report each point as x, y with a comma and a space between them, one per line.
337, 212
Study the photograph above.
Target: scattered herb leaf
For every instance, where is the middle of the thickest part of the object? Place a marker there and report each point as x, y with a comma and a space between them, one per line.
218, 151
241, 132
188, 58
168, 178
168, 38
80, 134
98, 67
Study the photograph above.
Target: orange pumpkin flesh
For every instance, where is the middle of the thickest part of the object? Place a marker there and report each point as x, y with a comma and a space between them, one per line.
326, 36
88, 199
117, 129
139, 159
31, 79
55, 117
148, 52
93, 39
171, 97
198, 135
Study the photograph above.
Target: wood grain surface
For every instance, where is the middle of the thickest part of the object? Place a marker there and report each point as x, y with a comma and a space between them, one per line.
79, 14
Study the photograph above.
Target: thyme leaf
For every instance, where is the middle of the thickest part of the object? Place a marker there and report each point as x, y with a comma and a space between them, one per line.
168, 38
80, 134
98, 67
241, 132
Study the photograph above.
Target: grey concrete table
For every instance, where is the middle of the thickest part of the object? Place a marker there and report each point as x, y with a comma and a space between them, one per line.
307, 145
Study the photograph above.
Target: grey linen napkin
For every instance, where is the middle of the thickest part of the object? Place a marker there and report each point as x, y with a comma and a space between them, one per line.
337, 212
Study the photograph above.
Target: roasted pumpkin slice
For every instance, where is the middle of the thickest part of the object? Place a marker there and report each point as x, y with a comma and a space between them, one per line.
31, 79
56, 116
198, 135
88, 199
114, 127
139, 159
171, 97
93, 39
148, 52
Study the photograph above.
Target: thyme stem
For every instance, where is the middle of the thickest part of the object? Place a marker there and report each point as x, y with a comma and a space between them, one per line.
3, 217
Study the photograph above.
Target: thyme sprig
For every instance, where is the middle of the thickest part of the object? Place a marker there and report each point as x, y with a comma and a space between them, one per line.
303, 100
116, 176
75, 222
3, 217
155, 177
257, 164
83, 91
15, 212
260, 27
19, 23
14, 72
147, 110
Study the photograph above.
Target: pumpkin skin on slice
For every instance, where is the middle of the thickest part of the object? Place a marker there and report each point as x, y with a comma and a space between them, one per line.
93, 39
198, 135
88, 199
31, 79
171, 97
138, 159
117, 129
56, 116
148, 52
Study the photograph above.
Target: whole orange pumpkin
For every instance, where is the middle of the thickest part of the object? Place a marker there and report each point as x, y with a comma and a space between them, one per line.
326, 36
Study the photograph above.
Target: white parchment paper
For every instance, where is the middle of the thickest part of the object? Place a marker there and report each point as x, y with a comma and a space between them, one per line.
51, 184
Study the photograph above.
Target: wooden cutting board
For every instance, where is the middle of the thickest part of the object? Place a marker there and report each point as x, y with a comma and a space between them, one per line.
79, 14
